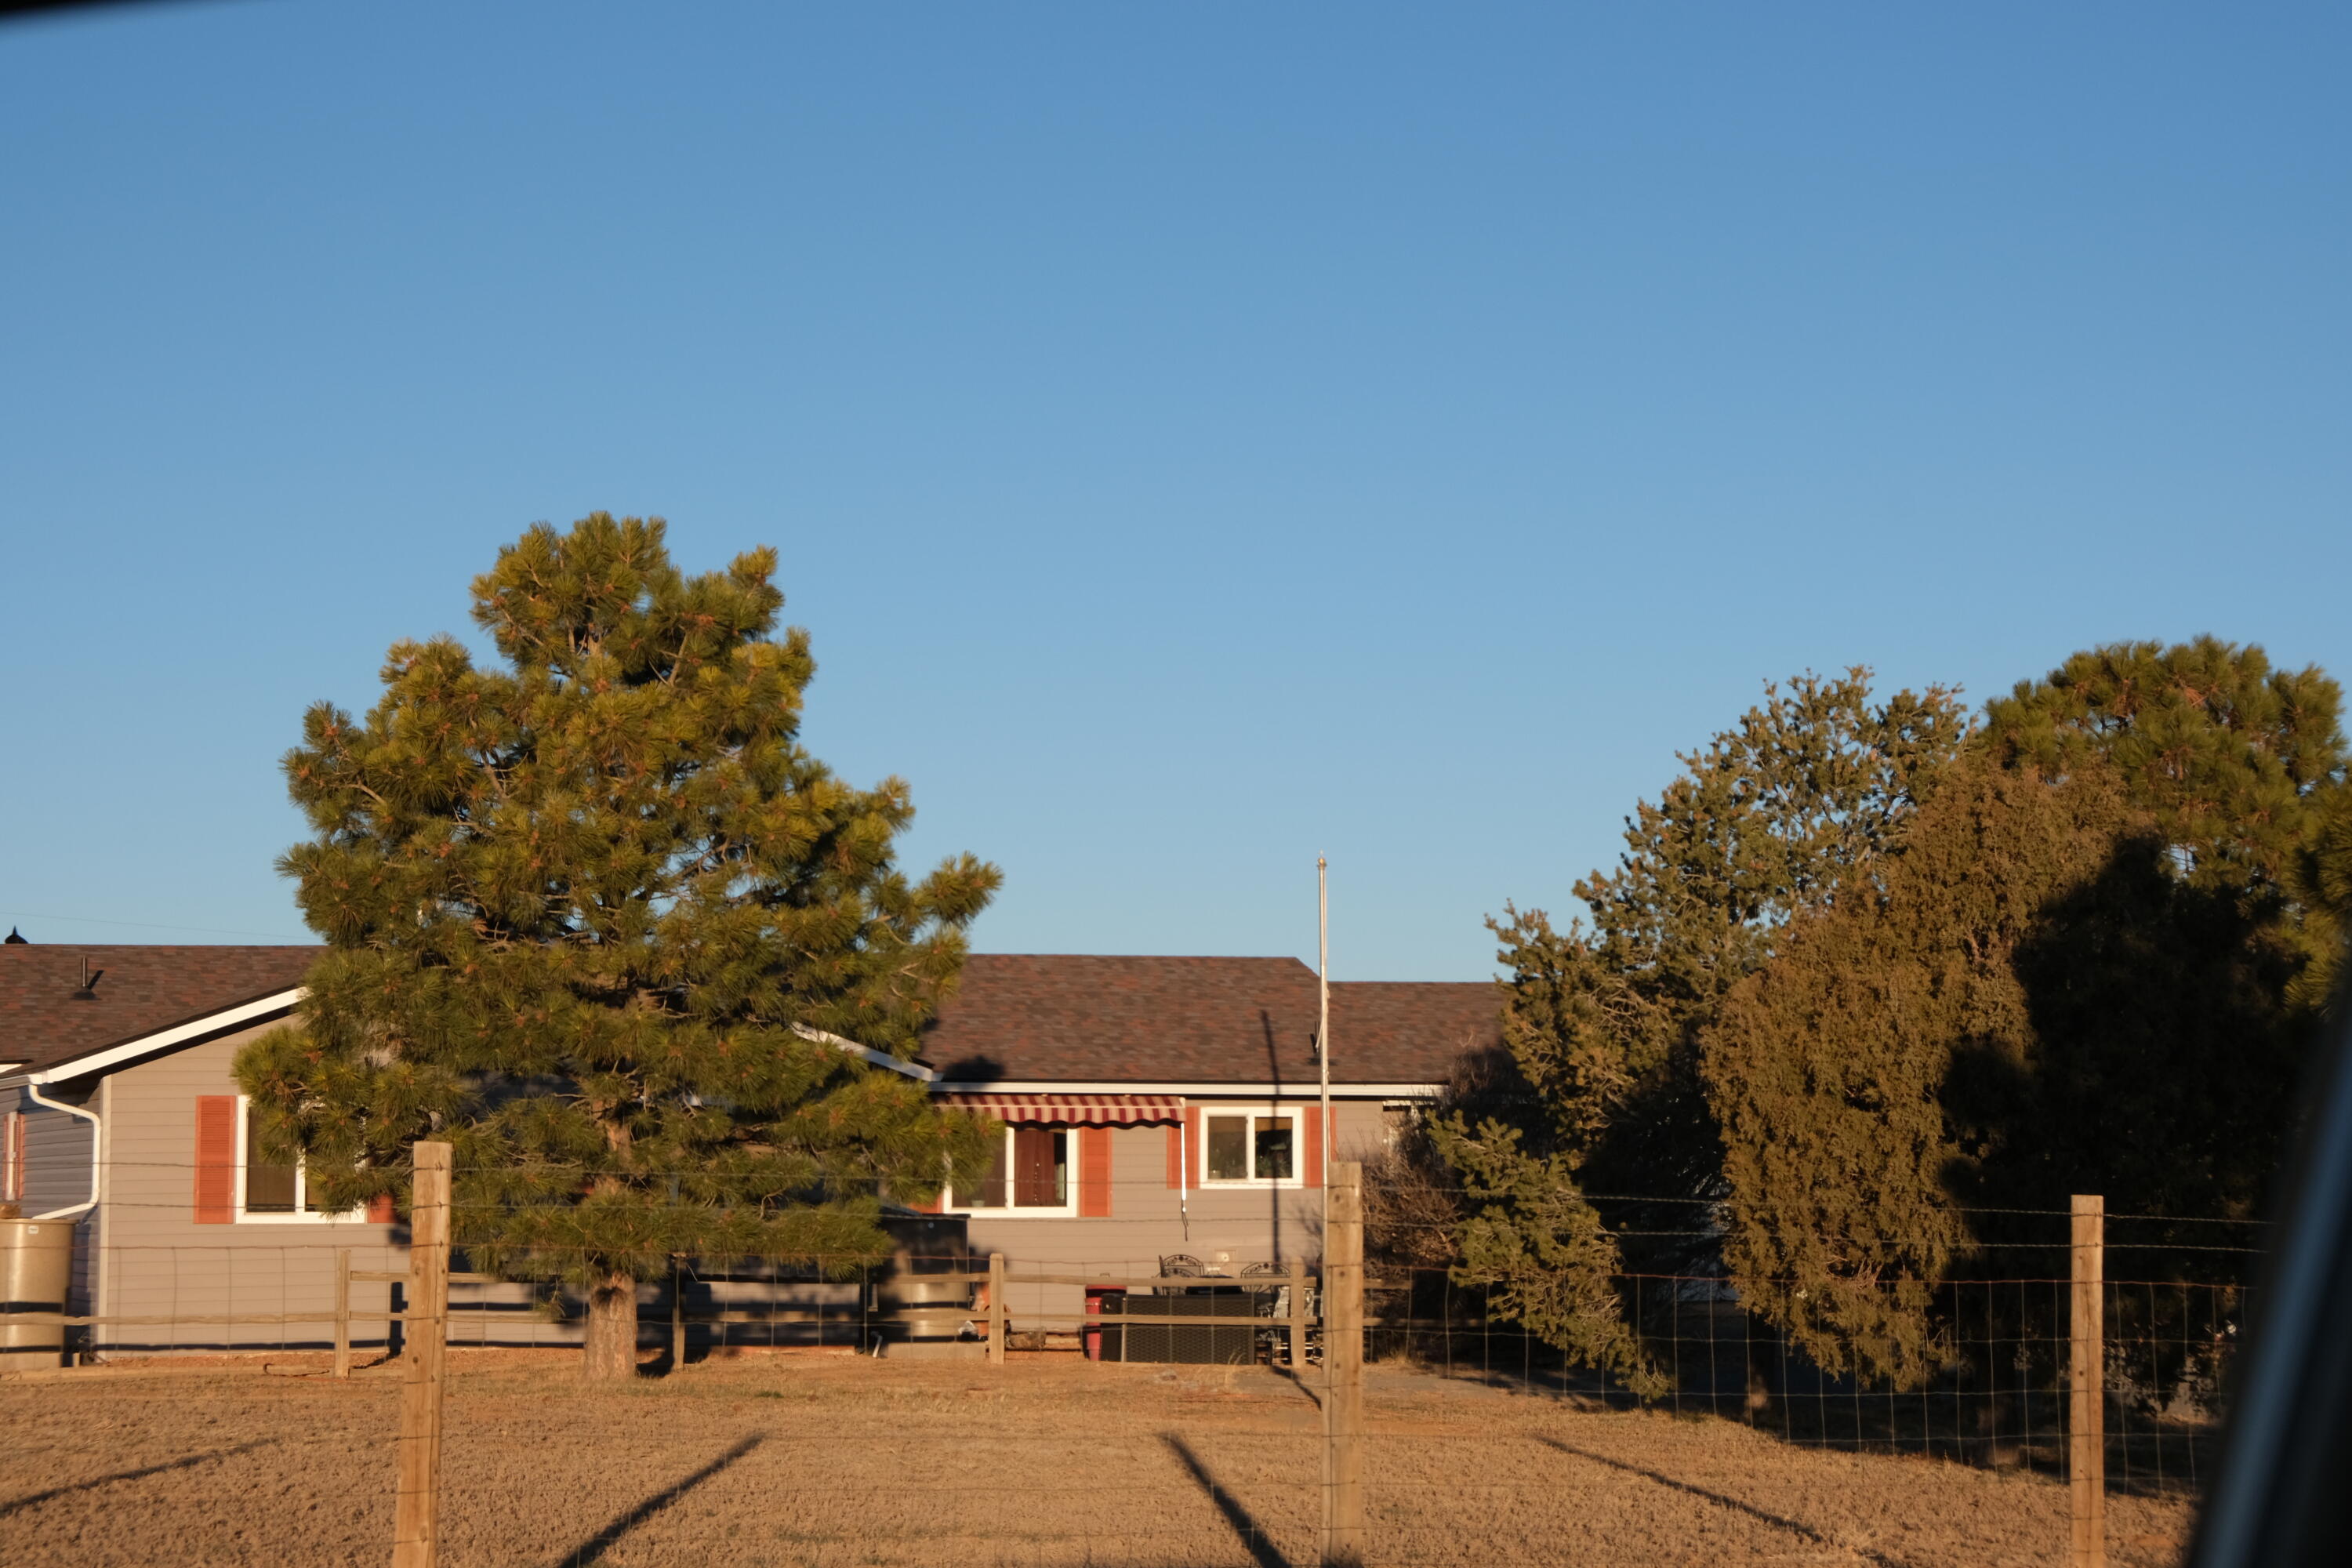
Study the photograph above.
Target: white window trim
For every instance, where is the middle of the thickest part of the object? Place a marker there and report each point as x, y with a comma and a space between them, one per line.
1067, 1209
300, 1215
1298, 1114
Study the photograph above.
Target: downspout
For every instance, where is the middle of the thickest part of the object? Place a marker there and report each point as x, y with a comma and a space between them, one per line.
75, 1210
1183, 1175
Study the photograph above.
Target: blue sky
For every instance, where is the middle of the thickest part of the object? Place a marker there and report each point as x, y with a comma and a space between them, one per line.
1197, 437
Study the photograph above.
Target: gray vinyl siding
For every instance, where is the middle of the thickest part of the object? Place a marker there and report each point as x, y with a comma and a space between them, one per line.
1147, 1222
57, 1153
57, 1177
151, 1258
155, 1259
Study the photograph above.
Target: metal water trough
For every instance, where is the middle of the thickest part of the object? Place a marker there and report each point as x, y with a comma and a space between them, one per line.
914, 1314
35, 1270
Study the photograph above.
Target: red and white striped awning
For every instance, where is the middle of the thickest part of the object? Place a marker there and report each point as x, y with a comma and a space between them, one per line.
1076, 1110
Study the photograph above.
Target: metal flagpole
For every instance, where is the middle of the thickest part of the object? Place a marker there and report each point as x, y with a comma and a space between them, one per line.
1323, 1025
1323, 1144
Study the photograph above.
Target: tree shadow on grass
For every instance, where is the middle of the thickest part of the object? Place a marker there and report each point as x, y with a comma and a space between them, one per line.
1245, 1523
13, 1504
595, 1547
1750, 1510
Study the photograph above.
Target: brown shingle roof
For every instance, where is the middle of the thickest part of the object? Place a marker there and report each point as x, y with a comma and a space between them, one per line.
143, 989
1016, 1016
1021, 1017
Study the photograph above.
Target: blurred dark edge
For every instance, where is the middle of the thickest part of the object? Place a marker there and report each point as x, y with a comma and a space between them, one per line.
2285, 1492
39, 7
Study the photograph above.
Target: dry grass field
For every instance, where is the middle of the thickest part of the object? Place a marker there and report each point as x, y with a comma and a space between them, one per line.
827, 1459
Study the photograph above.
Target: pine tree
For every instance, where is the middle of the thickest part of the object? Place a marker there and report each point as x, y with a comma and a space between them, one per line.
2240, 767
597, 918
1604, 1020
2230, 757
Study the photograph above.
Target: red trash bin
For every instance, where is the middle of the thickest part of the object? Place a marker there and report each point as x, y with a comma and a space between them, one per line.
1095, 1296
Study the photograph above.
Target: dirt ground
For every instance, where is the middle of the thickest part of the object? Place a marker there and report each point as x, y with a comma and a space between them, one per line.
825, 1458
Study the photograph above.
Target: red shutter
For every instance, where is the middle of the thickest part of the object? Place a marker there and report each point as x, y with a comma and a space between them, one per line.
1033, 1167
380, 1209
1094, 1173
216, 1159
1316, 1130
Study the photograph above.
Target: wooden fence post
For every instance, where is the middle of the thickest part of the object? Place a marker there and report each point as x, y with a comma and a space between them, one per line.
1342, 1544
416, 1521
1297, 1319
2086, 1447
677, 1317
342, 1311
996, 1309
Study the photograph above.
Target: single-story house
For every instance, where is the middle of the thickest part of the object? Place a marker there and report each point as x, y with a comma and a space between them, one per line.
1152, 1107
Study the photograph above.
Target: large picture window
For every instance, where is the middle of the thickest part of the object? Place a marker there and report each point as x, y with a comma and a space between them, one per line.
1028, 1174
1253, 1147
268, 1191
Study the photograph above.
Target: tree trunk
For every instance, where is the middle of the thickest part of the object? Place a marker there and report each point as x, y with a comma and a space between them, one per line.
612, 1346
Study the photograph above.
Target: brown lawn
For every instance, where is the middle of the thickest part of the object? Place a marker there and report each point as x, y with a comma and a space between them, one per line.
828, 1460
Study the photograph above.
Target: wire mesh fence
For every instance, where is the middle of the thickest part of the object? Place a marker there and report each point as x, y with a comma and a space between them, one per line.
1148, 1409
1997, 1400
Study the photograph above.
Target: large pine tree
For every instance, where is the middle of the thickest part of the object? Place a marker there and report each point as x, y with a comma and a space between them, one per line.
596, 917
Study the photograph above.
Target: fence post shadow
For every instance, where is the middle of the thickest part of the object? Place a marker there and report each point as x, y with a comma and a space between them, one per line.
1239, 1519
595, 1547
34, 1499
1796, 1527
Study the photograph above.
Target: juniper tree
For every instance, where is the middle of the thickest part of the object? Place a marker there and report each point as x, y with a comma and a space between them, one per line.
594, 915
2086, 967
1829, 1067
1604, 1018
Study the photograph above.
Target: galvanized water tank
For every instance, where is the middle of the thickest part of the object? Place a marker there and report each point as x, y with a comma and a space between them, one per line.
35, 1269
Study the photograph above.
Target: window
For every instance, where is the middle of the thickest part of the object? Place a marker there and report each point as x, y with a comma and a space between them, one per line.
266, 1191
1252, 1147
1029, 1172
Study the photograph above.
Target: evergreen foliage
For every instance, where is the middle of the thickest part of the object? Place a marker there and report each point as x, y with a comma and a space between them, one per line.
1604, 1020
2324, 880
1829, 1067
2227, 756
2086, 967
597, 918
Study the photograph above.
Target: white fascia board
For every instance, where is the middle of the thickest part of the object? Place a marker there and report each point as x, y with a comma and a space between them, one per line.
285, 1002
165, 1039
866, 1053
1285, 1091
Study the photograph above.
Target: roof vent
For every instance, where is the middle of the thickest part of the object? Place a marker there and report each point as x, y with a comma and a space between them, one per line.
89, 992
15, 938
